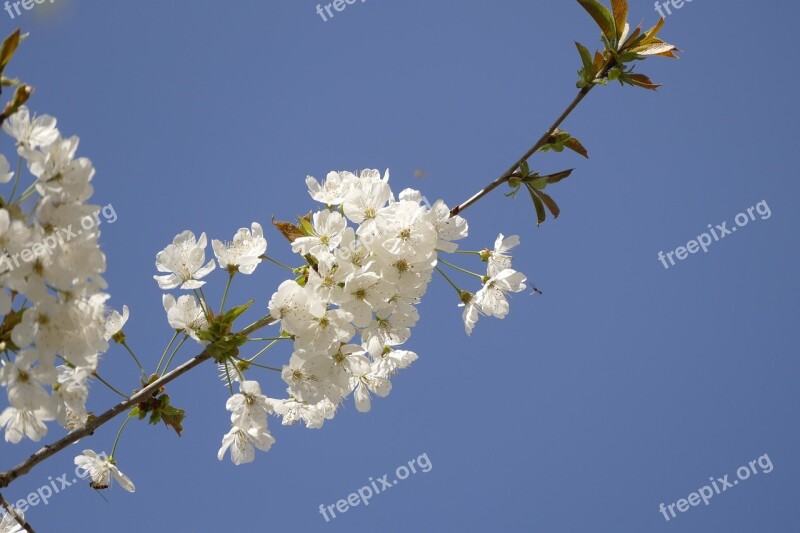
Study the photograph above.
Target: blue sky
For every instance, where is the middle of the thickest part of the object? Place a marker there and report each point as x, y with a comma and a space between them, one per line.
626, 385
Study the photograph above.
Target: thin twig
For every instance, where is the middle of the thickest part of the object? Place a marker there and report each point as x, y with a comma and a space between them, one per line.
7, 477
13, 512
508, 174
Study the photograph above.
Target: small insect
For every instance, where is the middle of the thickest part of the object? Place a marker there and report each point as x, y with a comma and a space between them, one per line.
98, 486
420, 173
534, 290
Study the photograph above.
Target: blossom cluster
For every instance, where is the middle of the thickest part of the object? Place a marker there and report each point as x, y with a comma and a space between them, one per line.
55, 323
367, 257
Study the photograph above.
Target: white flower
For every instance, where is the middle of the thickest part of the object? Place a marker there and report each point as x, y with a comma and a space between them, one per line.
249, 408
492, 297
362, 294
5, 170
314, 415
448, 228
388, 328
369, 382
328, 227
185, 315
244, 443
115, 322
471, 311
498, 259
10, 525
314, 377
363, 202
41, 131
184, 260
102, 469
243, 254
71, 395
26, 383
24, 423
290, 305
334, 189
390, 361
325, 329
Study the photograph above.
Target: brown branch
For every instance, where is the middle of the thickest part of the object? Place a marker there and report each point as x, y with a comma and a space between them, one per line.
13, 512
6, 478
508, 174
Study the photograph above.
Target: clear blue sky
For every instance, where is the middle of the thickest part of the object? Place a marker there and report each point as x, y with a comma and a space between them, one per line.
624, 386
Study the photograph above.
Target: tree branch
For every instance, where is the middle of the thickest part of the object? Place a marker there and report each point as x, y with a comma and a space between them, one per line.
13, 512
505, 176
6, 478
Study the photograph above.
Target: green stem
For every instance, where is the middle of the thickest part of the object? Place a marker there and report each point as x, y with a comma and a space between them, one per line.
16, 180
178, 347
260, 366
228, 375
465, 271
267, 347
119, 434
225, 294
109, 385
449, 281
290, 269
136, 359
202, 301
163, 355
29, 191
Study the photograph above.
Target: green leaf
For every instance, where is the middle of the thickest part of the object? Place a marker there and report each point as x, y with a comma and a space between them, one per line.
8, 48
539, 183
234, 313
550, 203
541, 215
586, 58
305, 224
640, 80
288, 230
620, 10
524, 168
173, 418
558, 176
575, 145
602, 16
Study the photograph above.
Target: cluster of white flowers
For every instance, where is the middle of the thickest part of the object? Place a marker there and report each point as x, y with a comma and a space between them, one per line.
55, 323
369, 256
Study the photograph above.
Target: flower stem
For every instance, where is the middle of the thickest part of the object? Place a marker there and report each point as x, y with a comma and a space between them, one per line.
119, 434
178, 347
258, 365
16, 180
449, 281
465, 271
136, 359
267, 347
107, 384
290, 269
228, 375
163, 355
225, 294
